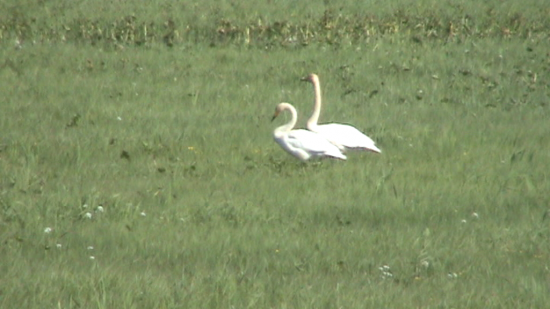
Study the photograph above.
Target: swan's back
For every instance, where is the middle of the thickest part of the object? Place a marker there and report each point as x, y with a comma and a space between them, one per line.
305, 145
346, 136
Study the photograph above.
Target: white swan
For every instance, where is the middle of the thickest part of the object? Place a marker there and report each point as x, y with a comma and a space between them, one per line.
302, 144
342, 135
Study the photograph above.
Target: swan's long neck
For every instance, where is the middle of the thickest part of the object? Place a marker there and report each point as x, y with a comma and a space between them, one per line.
312, 121
287, 127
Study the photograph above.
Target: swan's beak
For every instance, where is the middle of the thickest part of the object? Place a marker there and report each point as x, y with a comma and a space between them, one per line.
275, 115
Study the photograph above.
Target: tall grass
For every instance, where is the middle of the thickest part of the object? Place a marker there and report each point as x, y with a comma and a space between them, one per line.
142, 173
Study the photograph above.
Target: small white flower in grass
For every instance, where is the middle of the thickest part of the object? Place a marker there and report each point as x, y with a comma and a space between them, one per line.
88, 215
143, 214
85, 206
59, 246
475, 215
92, 257
386, 271
90, 248
452, 275
463, 221
100, 209
119, 118
48, 230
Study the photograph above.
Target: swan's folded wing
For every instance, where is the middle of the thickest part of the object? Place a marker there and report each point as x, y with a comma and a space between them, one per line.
347, 136
313, 143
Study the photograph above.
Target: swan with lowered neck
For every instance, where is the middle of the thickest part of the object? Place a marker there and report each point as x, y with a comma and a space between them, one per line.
342, 135
302, 144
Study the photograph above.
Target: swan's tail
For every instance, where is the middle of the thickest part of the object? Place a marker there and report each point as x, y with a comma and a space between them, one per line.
337, 155
374, 149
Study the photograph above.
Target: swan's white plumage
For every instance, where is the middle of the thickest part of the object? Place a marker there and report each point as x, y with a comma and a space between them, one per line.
345, 137
342, 135
302, 144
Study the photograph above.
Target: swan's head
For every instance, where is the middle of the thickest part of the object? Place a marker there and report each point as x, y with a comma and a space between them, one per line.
312, 78
280, 108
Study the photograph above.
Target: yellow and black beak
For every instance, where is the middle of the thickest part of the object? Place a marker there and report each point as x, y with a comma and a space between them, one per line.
275, 115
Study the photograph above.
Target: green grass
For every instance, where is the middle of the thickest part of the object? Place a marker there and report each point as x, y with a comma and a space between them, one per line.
170, 134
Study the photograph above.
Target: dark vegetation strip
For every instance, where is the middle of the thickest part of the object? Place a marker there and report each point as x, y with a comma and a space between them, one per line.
330, 28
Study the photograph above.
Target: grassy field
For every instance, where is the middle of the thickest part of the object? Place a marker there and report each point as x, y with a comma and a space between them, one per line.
138, 169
